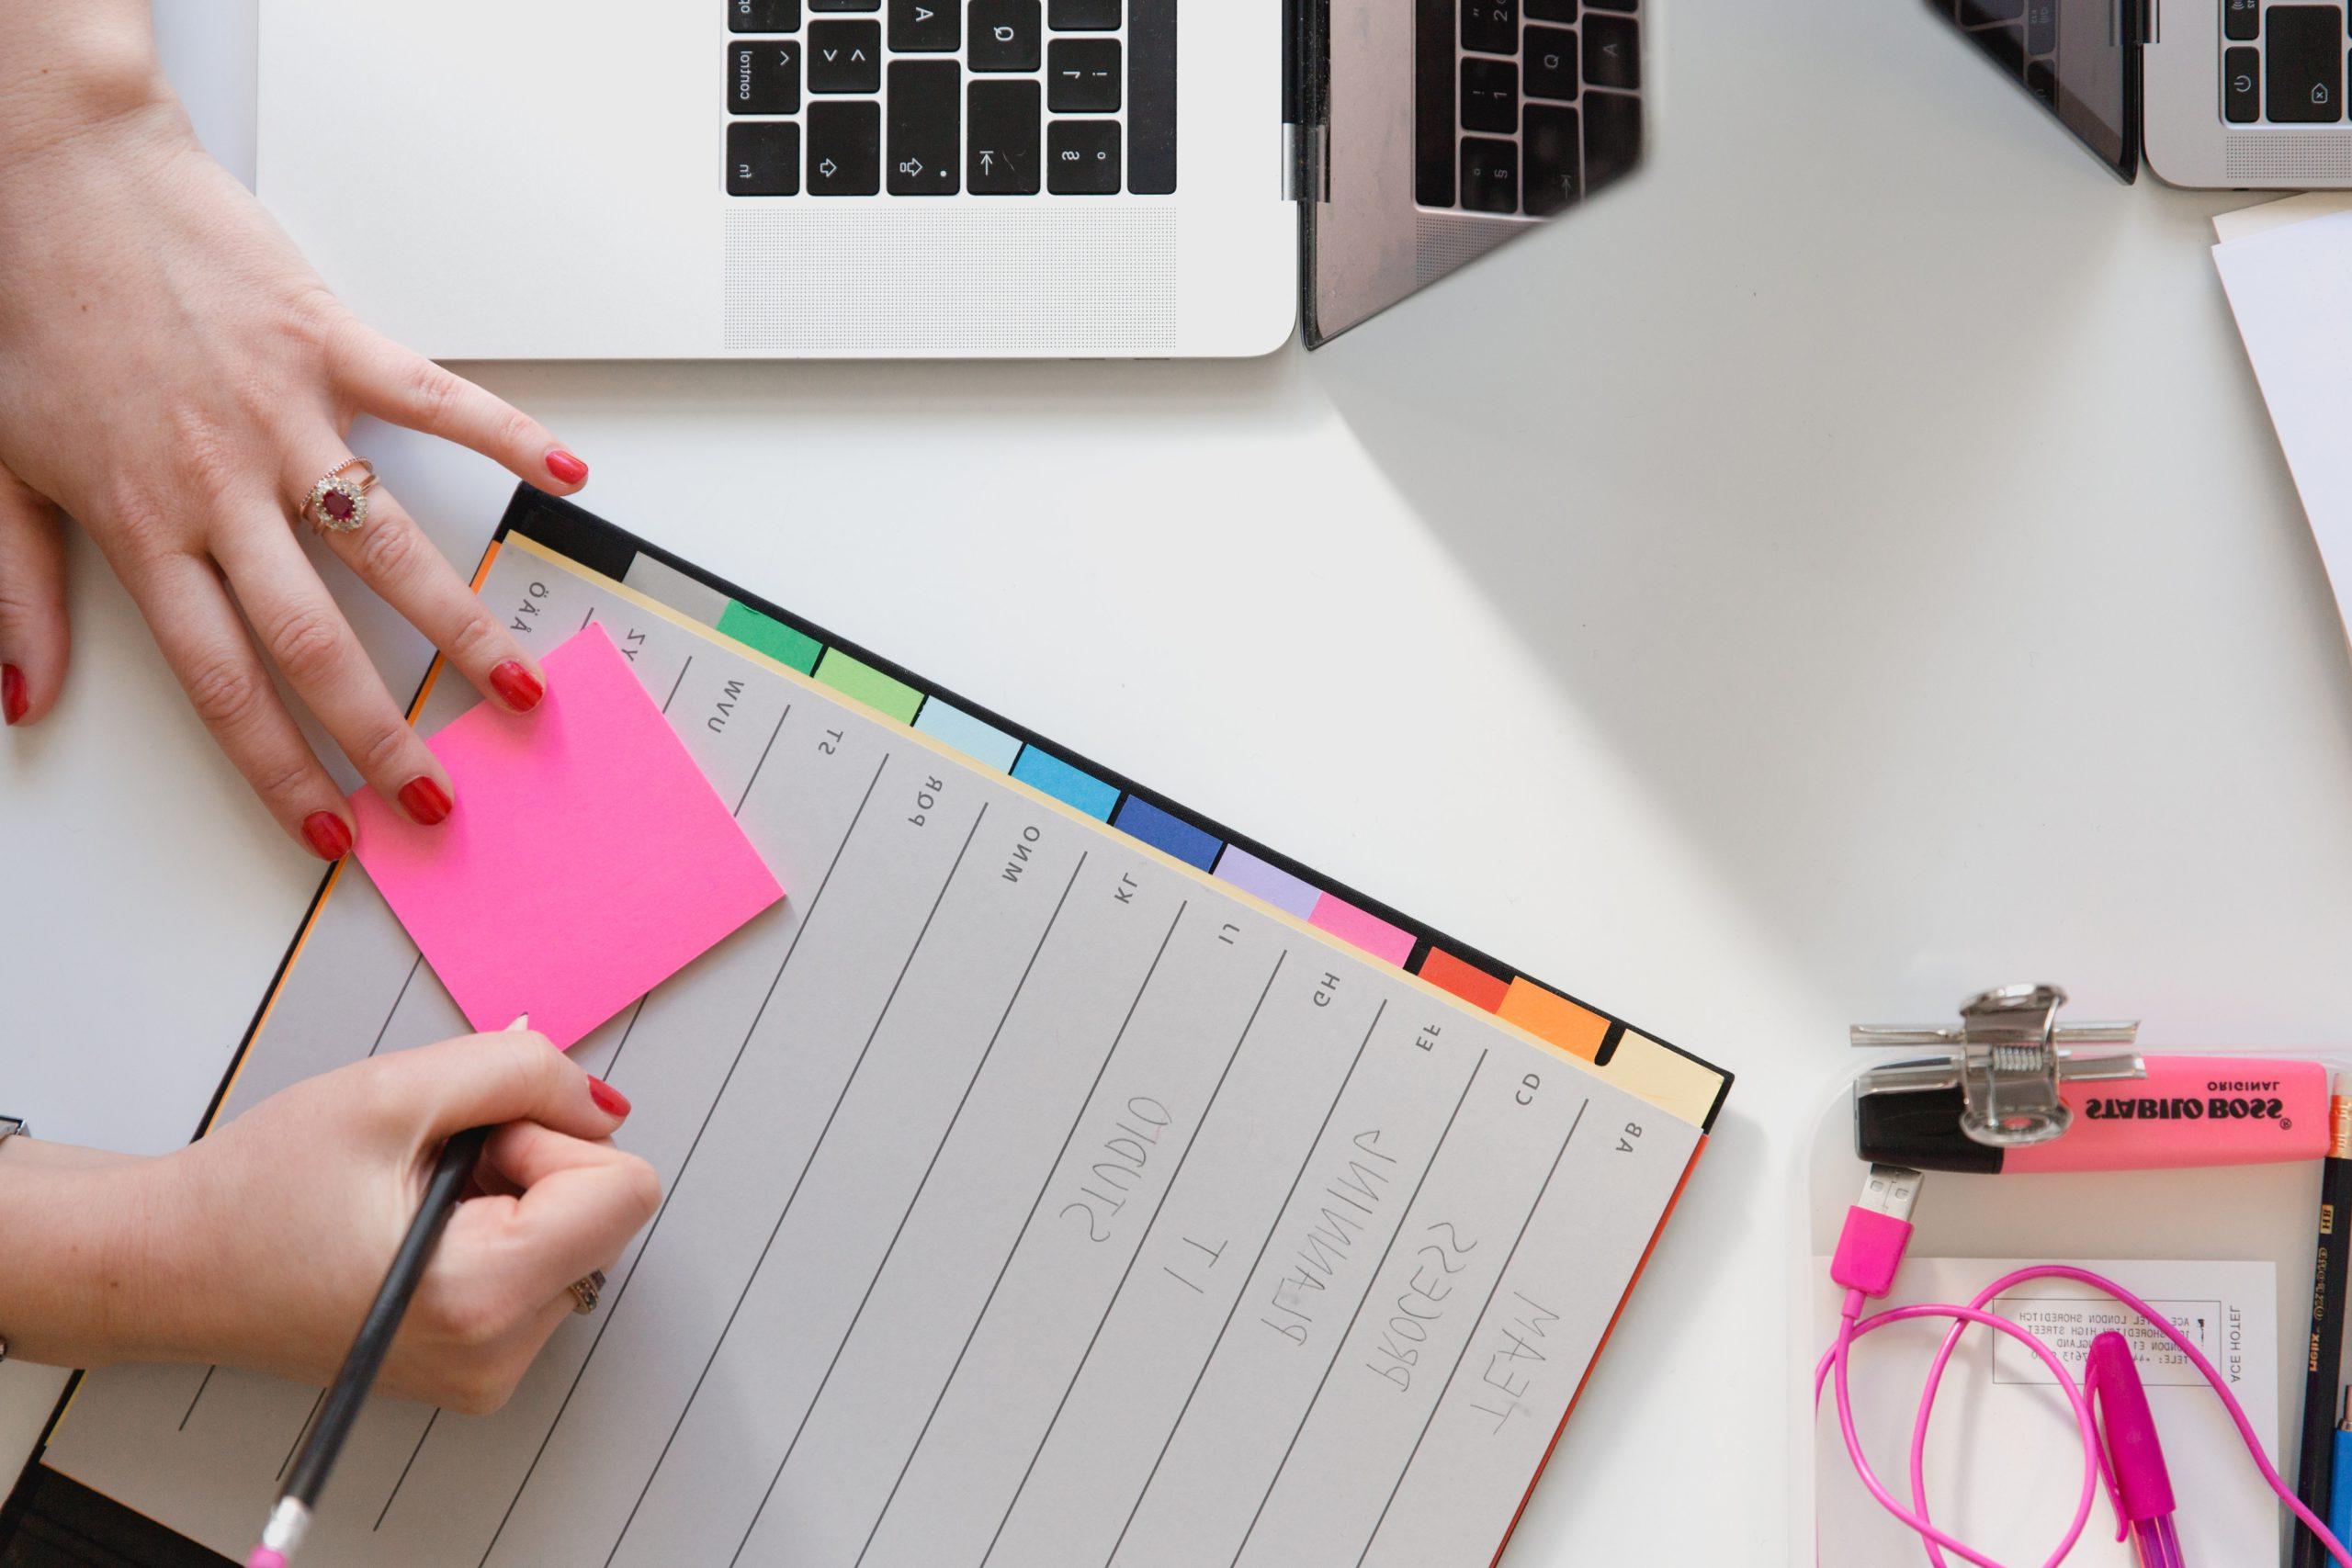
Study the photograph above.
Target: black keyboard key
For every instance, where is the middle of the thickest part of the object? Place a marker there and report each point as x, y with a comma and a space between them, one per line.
1550, 55
1976, 13
844, 5
1005, 35
1083, 157
1491, 95
1084, 16
926, 27
2302, 64
1151, 98
1489, 174
1001, 144
1490, 27
2241, 19
779, 16
2006, 44
926, 146
1613, 53
844, 57
2241, 78
845, 148
1433, 111
1551, 10
763, 77
2042, 81
2042, 26
1549, 140
1626, 6
764, 158
1083, 76
1612, 139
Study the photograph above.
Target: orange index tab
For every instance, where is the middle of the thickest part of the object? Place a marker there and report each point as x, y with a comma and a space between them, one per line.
1554, 1018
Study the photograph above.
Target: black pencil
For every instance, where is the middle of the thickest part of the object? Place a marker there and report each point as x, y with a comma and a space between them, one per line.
289, 1518
2323, 1360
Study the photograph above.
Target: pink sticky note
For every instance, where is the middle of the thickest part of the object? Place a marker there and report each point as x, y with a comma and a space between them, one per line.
587, 859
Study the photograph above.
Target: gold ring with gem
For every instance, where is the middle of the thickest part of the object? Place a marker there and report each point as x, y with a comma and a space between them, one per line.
338, 504
586, 1290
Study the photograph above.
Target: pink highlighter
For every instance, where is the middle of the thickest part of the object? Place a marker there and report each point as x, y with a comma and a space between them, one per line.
2186, 1111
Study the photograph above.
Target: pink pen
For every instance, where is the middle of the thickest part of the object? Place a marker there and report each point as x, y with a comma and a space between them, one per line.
2137, 1481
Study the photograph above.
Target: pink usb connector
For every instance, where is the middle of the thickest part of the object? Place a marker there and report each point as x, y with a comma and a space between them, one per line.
1878, 1229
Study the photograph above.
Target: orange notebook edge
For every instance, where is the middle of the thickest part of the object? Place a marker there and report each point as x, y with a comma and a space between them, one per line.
1665, 1215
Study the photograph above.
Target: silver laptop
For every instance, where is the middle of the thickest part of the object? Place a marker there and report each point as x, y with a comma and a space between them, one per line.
924, 178
2215, 93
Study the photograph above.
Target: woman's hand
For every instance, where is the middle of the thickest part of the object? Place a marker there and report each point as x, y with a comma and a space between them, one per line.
262, 1244
174, 376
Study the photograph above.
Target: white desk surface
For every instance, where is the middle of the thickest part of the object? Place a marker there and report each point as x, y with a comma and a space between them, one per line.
1847, 568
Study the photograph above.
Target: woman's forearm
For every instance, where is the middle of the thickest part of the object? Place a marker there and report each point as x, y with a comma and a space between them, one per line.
64, 67
82, 1281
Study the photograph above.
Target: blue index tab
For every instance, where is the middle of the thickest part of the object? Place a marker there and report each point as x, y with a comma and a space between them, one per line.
1168, 833
1044, 772
2339, 1500
982, 742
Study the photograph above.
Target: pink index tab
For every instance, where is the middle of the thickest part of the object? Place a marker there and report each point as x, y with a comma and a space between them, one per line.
587, 859
1352, 926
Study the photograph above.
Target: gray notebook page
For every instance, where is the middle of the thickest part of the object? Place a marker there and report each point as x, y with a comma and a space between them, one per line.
1031, 1198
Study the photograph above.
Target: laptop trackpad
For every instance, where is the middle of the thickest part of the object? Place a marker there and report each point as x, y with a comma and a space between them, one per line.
863, 279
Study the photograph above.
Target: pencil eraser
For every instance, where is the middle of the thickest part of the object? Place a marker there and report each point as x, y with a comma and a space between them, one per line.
262, 1557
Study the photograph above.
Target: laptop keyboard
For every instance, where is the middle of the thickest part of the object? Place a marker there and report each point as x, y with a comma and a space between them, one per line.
948, 98
2282, 65
2020, 35
1524, 106
2283, 60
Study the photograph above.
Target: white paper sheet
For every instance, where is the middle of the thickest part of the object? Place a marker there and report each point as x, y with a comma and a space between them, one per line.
2289, 282
2004, 1463
2268, 215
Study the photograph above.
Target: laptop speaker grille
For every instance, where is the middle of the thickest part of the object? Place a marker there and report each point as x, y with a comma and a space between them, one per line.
2288, 157
915, 279
1443, 244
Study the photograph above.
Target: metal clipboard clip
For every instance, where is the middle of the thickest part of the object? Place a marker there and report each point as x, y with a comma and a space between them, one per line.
2008, 1058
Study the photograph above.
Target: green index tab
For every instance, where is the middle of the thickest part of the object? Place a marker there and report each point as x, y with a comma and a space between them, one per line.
868, 685
771, 636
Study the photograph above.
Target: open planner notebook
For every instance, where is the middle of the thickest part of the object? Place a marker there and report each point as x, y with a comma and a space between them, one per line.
1053, 1180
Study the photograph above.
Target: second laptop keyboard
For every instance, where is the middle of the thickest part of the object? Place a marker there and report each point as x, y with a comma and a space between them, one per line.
945, 97
1524, 113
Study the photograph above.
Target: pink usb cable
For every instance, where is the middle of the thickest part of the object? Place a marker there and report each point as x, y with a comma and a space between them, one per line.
1869, 1251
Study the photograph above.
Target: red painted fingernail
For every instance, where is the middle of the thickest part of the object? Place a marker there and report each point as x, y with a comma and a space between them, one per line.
516, 687
424, 798
609, 1100
565, 467
328, 837
13, 700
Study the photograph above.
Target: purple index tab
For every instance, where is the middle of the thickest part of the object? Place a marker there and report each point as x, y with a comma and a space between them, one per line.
1271, 883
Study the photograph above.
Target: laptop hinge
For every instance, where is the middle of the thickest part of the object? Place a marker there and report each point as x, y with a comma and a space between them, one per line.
1306, 60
